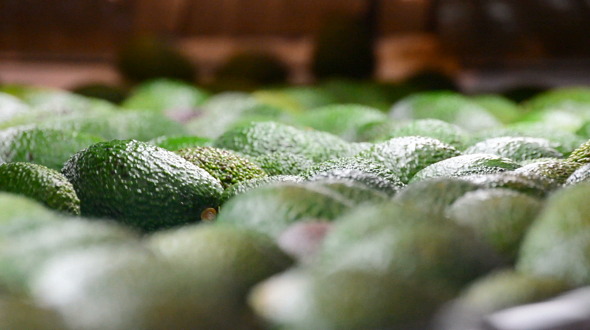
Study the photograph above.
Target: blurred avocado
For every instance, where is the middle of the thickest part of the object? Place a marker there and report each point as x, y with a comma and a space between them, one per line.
111, 93
344, 49
150, 57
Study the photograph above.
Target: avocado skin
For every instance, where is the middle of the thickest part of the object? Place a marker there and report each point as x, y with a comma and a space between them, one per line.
40, 183
225, 165
261, 138
46, 146
141, 185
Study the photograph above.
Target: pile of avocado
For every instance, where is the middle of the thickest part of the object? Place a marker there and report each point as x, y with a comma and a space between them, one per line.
293, 207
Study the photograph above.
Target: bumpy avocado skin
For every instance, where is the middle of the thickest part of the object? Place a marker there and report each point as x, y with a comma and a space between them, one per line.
283, 163
261, 138
581, 154
45, 146
140, 184
226, 166
409, 154
516, 148
41, 183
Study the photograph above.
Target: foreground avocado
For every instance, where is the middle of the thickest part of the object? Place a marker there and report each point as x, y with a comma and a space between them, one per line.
494, 292
272, 208
500, 217
41, 183
141, 185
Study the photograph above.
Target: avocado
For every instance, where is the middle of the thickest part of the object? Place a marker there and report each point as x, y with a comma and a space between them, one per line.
352, 188
247, 185
503, 108
581, 174
581, 154
559, 97
176, 142
228, 110
389, 177
270, 209
528, 183
558, 170
41, 183
224, 165
447, 106
562, 141
11, 107
467, 165
235, 258
353, 91
377, 131
499, 217
43, 146
283, 163
21, 313
308, 96
140, 185
343, 120
515, 148
405, 243
122, 125
138, 288
432, 196
21, 213
164, 94
311, 300
27, 251
409, 154
558, 241
494, 292
434, 128
260, 138
370, 180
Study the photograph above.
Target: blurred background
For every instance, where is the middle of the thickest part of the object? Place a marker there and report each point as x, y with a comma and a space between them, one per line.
481, 45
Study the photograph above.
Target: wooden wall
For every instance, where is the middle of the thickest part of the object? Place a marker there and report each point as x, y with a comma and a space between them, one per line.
86, 27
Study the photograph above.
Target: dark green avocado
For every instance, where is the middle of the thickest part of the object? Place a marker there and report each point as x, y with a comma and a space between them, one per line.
225, 165
41, 183
141, 185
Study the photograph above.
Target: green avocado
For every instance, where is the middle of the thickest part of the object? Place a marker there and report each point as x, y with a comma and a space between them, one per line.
434, 128
343, 120
283, 163
224, 165
558, 242
260, 138
515, 148
467, 165
499, 217
44, 146
41, 183
409, 154
141, 185
558, 170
